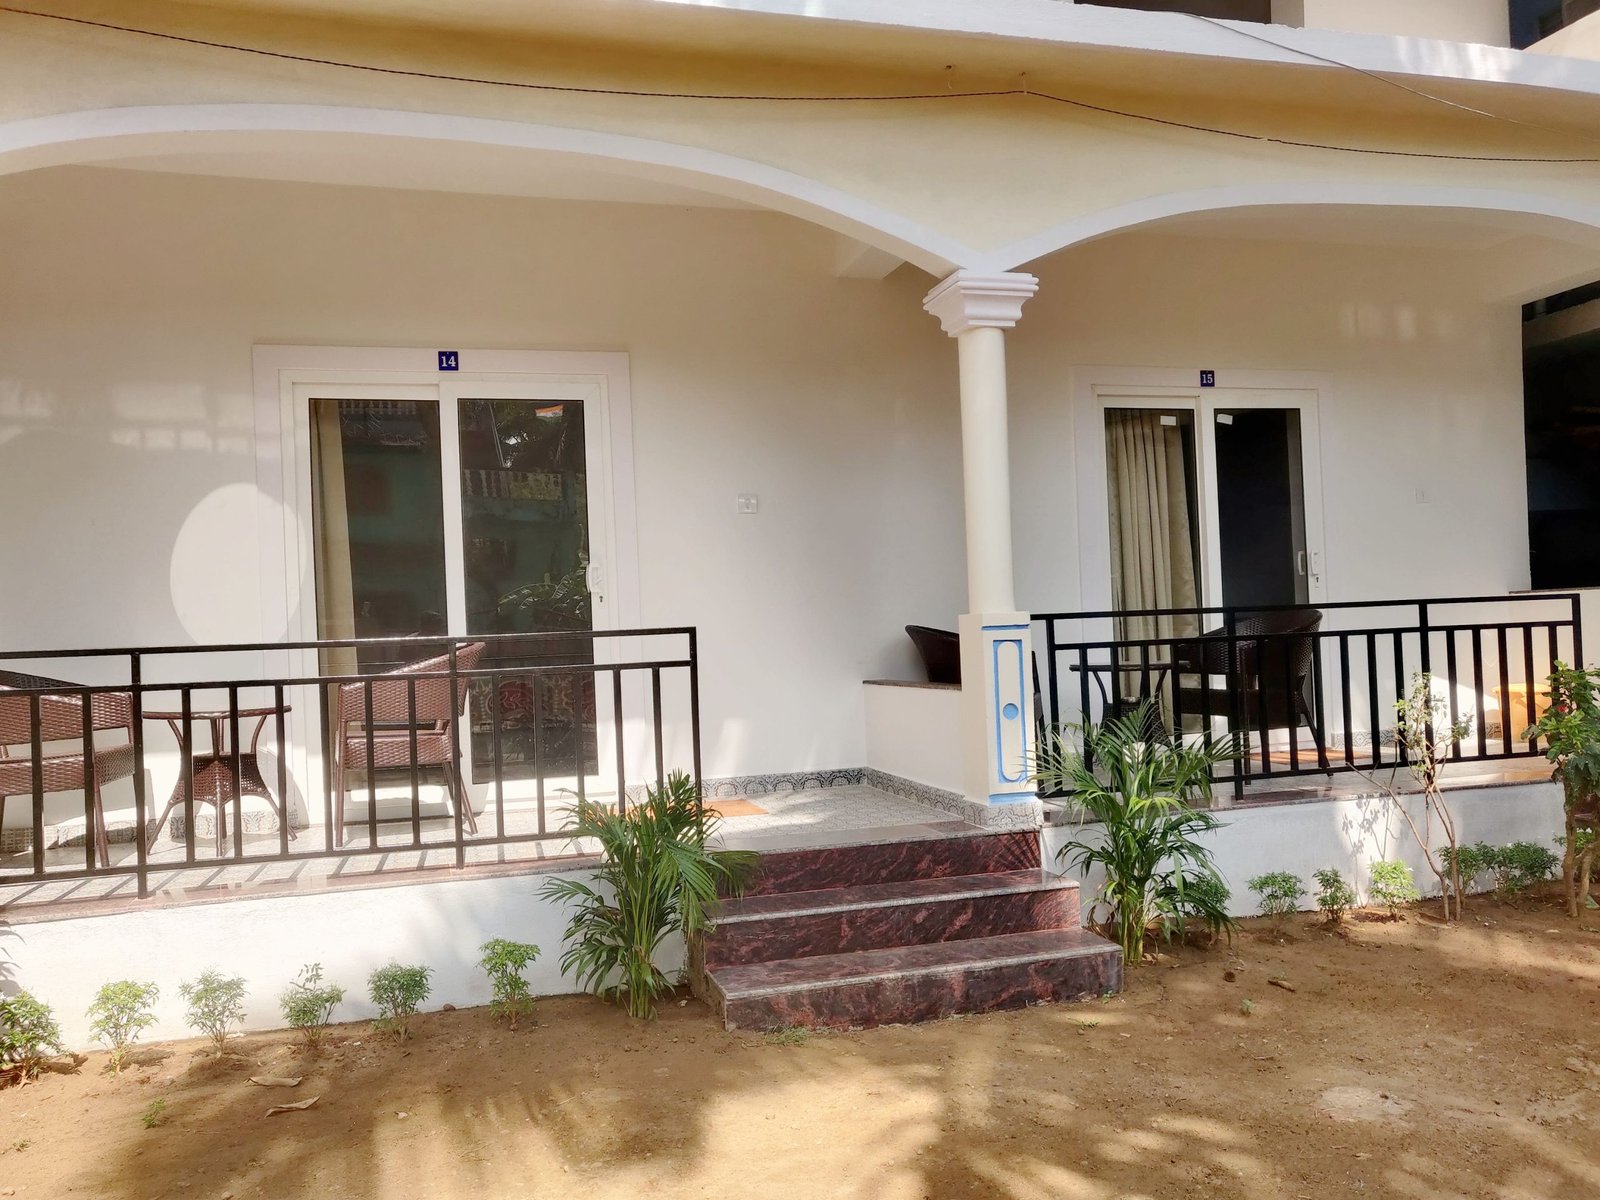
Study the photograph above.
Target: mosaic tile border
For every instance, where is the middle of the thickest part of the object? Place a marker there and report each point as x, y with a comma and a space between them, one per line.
1020, 815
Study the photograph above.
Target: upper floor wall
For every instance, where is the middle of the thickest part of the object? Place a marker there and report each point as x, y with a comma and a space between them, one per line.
1482, 22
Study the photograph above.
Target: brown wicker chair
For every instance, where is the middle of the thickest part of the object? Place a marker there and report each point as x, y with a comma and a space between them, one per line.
387, 745
61, 720
1272, 664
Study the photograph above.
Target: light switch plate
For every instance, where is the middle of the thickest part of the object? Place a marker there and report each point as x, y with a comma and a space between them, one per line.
749, 504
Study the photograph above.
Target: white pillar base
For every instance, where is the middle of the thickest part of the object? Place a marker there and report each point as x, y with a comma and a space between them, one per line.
997, 708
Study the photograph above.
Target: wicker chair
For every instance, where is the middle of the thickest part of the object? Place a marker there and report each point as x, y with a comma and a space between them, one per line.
940, 650
61, 720
1271, 666
387, 744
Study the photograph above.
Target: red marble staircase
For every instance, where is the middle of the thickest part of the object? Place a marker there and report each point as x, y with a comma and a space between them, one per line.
896, 932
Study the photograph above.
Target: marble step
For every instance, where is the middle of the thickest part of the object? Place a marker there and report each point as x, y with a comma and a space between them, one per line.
894, 862
877, 916
916, 983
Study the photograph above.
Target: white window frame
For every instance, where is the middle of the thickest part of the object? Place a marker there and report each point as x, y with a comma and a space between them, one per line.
282, 375
1097, 389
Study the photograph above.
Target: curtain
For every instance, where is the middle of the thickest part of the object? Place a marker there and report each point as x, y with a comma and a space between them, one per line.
1152, 548
336, 610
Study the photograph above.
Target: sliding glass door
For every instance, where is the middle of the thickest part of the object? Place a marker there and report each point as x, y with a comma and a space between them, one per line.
1212, 500
466, 510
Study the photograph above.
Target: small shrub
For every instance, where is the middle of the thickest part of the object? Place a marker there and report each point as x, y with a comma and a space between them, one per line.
28, 1034
658, 877
155, 1114
1335, 897
308, 1003
1143, 800
1393, 885
1204, 899
1514, 868
504, 963
1581, 842
1280, 893
216, 1004
398, 991
1246, 1007
795, 1035
1520, 865
120, 1012
1471, 861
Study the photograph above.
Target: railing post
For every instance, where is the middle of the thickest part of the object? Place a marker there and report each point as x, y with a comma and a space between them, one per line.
141, 835
1577, 630
457, 722
1424, 630
694, 713
1241, 756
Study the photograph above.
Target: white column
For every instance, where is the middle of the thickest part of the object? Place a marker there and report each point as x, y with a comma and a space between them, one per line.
996, 642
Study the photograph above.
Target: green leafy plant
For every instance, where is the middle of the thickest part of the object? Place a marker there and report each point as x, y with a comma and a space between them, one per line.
1521, 865
154, 1114
308, 1004
1513, 868
398, 992
1279, 893
1335, 897
28, 1034
119, 1013
504, 963
1392, 885
1570, 728
216, 1005
1140, 788
1203, 898
657, 877
1467, 862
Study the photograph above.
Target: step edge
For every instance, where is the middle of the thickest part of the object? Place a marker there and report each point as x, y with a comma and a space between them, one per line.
1016, 960
1057, 883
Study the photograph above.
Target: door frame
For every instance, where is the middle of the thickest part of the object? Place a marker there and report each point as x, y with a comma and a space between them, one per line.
1096, 389
288, 586
285, 534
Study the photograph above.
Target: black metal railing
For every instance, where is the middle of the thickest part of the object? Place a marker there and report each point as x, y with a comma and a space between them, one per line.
590, 714
1331, 674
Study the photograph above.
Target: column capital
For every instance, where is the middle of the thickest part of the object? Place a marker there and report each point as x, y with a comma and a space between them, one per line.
973, 300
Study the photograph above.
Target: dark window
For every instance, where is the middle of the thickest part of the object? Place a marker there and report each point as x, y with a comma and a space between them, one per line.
1227, 10
1561, 388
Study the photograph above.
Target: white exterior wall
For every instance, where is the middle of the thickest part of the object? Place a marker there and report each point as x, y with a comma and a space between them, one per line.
1422, 388
915, 733
438, 924
130, 302
1486, 22
1581, 39
1351, 835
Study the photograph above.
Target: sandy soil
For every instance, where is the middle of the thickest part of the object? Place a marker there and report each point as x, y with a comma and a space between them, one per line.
1411, 1060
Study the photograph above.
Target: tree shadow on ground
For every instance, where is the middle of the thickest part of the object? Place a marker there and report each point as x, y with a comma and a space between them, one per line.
1409, 1060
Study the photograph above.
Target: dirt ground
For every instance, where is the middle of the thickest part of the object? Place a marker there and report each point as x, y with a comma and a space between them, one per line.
1410, 1060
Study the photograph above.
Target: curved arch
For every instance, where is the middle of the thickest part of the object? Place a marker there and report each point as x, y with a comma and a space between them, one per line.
1152, 209
100, 134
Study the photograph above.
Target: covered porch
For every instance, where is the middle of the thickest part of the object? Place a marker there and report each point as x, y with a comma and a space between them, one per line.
784, 465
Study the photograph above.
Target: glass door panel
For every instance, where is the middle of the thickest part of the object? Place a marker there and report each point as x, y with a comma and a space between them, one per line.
525, 565
377, 513
1260, 493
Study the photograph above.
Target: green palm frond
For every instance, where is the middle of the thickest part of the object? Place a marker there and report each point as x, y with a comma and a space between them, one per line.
1141, 790
656, 878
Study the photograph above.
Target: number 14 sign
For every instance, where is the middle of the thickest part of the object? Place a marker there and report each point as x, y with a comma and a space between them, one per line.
449, 360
